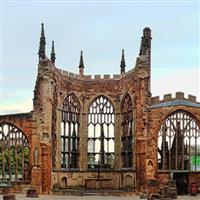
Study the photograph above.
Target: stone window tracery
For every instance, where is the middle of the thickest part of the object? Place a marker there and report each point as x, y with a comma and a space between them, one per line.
70, 132
179, 143
14, 154
127, 133
101, 133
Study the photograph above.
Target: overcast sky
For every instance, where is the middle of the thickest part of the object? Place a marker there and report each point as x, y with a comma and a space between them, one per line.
101, 30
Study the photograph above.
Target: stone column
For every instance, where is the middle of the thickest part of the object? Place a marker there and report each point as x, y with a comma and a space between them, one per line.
84, 143
117, 131
46, 169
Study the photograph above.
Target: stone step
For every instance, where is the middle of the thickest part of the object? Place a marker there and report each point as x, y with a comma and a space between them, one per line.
92, 194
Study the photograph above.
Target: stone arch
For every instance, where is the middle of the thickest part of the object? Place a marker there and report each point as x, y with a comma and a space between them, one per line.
75, 96
65, 95
14, 154
22, 121
178, 141
171, 111
14, 126
123, 97
104, 96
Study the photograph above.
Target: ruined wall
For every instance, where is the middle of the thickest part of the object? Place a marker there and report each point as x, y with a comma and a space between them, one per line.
160, 110
52, 87
43, 125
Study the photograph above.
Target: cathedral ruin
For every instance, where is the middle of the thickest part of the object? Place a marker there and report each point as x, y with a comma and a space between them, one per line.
100, 132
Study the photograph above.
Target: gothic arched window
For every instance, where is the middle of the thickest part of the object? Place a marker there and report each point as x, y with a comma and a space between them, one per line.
127, 133
101, 133
70, 132
179, 143
14, 154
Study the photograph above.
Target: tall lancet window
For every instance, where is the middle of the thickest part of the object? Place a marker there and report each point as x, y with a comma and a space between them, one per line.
127, 133
70, 132
101, 133
179, 143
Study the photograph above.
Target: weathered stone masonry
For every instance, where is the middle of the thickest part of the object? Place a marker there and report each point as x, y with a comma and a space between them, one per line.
42, 126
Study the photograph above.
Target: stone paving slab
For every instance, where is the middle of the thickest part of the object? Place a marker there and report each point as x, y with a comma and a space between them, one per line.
53, 197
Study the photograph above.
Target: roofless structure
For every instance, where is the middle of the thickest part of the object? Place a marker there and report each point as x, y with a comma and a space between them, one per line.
100, 132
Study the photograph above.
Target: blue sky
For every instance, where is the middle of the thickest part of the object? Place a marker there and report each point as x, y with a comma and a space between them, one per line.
101, 30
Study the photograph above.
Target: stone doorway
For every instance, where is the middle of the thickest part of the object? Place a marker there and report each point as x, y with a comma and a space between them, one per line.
181, 182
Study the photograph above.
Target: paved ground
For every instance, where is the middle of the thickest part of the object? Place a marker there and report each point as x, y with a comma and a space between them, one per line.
52, 197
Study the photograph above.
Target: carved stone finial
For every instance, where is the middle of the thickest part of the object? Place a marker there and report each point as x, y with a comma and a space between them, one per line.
53, 55
123, 64
41, 51
81, 64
